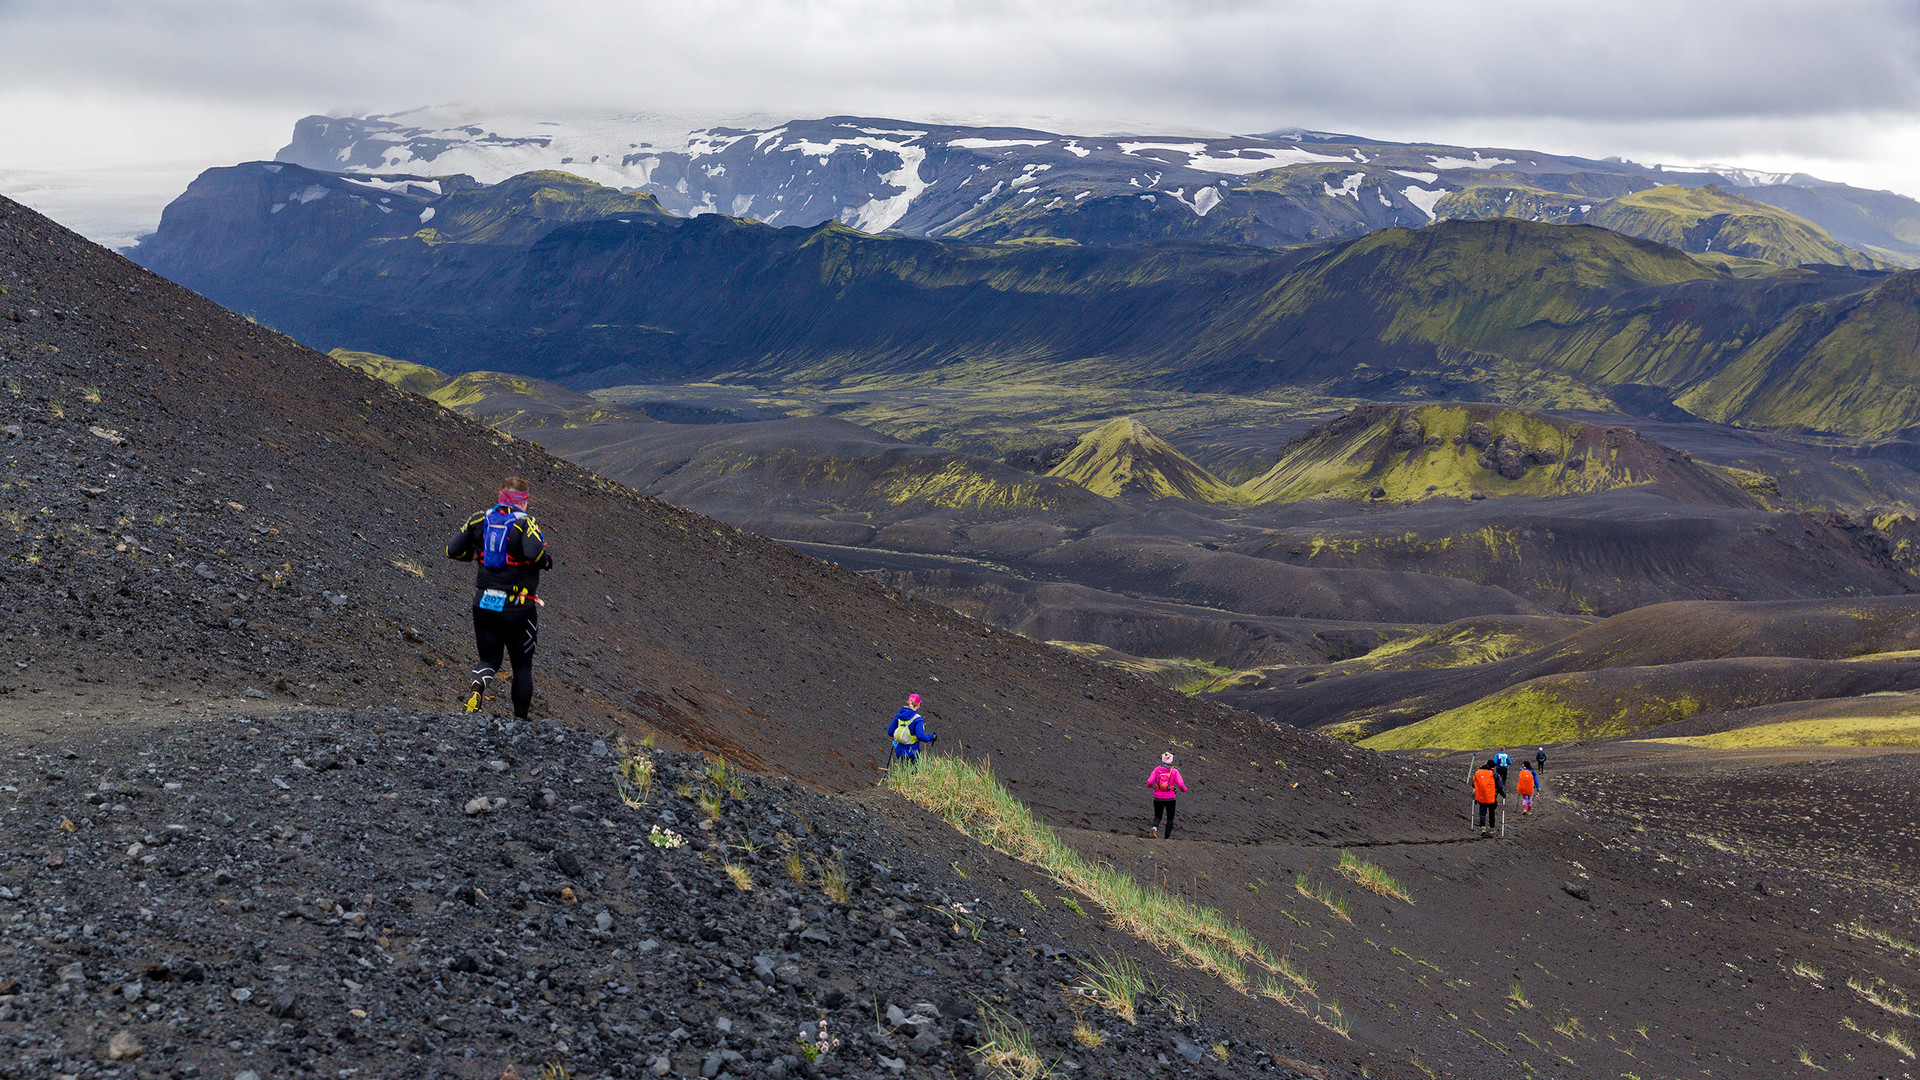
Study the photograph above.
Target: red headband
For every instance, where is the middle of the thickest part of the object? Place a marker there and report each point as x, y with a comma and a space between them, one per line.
514, 498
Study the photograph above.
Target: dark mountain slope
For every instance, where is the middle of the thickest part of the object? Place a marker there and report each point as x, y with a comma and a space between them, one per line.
206, 508
1477, 310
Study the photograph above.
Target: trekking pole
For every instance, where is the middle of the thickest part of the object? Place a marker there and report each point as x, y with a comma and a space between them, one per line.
1503, 817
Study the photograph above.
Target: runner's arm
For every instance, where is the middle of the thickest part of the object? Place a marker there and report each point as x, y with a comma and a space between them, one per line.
462, 547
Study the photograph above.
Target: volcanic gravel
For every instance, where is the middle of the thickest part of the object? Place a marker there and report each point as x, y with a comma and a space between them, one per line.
409, 894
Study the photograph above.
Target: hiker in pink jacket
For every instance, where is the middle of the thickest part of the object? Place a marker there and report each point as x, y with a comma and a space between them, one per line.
1166, 785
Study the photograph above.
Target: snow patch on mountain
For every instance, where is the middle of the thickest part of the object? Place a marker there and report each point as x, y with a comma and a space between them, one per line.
1475, 162
1423, 177
879, 215
1350, 187
1423, 198
995, 144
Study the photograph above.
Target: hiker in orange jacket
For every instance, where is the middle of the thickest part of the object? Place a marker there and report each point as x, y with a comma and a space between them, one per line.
1524, 787
1486, 787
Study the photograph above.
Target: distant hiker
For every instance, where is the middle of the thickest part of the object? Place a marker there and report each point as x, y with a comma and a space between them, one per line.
1501, 763
1167, 786
1485, 794
1523, 786
1540, 760
909, 730
507, 544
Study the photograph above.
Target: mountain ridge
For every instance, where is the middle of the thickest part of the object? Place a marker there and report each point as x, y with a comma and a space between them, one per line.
994, 183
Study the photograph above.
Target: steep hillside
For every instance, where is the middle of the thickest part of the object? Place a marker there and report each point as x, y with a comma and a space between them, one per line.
220, 516
1507, 311
1849, 365
1708, 218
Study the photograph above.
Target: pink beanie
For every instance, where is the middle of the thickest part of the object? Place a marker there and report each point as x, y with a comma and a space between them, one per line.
913, 701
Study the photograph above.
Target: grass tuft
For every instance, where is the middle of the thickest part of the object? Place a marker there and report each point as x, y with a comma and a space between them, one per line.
796, 869
1885, 995
1859, 928
833, 880
1518, 995
741, 876
1116, 982
1007, 1050
1313, 890
968, 796
1371, 877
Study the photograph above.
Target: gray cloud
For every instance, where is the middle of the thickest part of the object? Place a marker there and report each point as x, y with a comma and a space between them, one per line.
1829, 85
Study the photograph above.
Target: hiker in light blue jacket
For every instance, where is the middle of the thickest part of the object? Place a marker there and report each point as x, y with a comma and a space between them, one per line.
909, 730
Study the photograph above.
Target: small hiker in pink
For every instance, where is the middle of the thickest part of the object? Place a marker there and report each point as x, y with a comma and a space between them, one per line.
1166, 785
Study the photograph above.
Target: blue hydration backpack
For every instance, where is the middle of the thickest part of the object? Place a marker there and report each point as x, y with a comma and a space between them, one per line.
495, 530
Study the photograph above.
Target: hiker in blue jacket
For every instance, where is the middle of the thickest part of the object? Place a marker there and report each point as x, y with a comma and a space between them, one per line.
909, 729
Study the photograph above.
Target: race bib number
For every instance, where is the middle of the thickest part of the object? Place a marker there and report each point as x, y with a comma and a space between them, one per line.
493, 600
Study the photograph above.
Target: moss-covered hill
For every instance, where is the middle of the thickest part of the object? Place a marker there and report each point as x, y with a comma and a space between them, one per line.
1407, 455
513, 403
1463, 451
1124, 457
1708, 219
562, 281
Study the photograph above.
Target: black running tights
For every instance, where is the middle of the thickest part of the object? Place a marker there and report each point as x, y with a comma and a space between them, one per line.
1167, 805
514, 632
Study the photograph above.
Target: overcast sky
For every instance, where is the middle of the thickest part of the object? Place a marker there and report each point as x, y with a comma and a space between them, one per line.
109, 107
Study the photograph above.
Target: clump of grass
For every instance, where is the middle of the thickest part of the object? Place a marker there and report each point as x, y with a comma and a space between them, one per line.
553, 1070
411, 566
1116, 981
1806, 1059
833, 880
1372, 878
1275, 989
90, 395
58, 409
717, 770
1286, 969
1184, 1009
1807, 971
1028, 893
1007, 1050
1074, 906
1859, 928
1313, 890
1220, 1050
710, 804
1893, 1039
796, 870
1085, 1035
741, 876
1570, 1027
1518, 995
970, 799
1892, 998
1335, 1019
